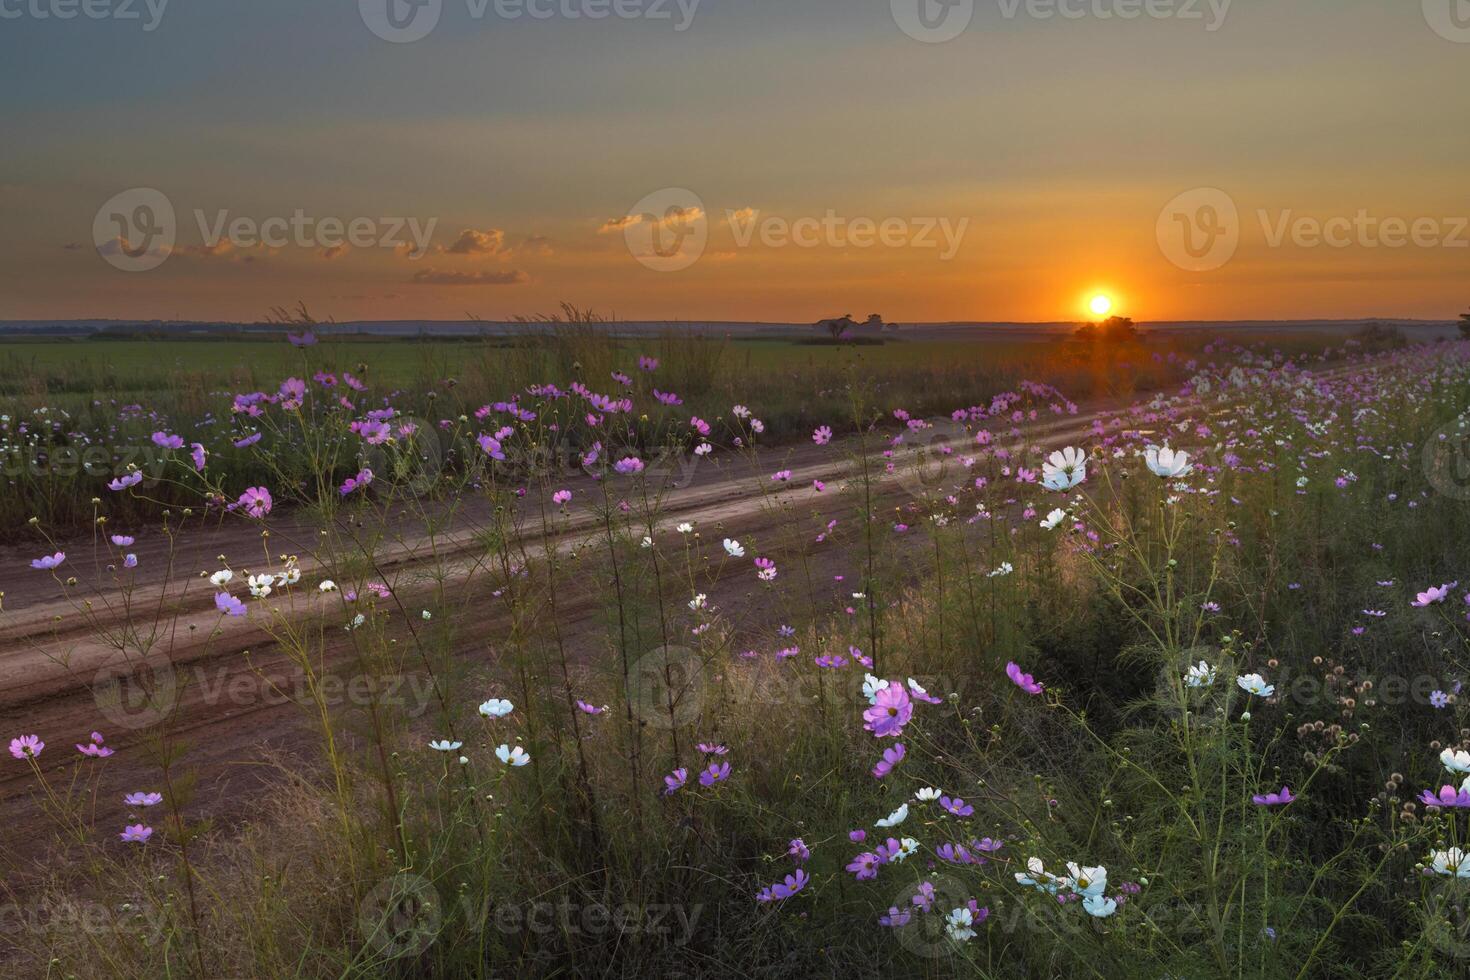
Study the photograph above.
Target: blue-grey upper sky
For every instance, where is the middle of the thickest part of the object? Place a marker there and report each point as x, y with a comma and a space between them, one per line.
1189, 158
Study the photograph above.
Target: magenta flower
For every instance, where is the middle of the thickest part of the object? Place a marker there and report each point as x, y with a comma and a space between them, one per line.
1022, 680
865, 866
956, 806
629, 465
675, 781
26, 746
590, 709
895, 918
891, 710
1447, 796
857, 836
892, 756
256, 501
47, 562
305, 339
1431, 595
143, 799
798, 850
363, 478
822, 435
94, 748
781, 476
228, 604
713, 748
164, 440
561, 497
122, 540
491, 446
127, 480
1274, 799
784, 889
136, 834
646, 363
717, 772
248, 441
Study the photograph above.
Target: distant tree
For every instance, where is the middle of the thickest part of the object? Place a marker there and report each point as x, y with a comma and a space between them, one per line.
837, 326
875, 321
1465, 326
1113, 330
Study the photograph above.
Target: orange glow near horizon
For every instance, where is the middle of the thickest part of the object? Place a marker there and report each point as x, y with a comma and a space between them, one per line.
1100, 305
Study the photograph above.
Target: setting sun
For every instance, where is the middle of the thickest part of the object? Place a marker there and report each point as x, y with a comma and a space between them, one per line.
1100, 305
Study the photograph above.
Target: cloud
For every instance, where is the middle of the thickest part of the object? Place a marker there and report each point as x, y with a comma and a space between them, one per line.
433, 277
472, 242
618, 224
536, 245
742, 215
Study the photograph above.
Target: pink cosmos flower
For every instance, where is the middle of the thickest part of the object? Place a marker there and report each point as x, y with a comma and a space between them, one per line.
891, 710
1024, 681
26, 746
629, 465
143, 799
561, 497
136, 834
589, 709
94, 748
864, 866
823, 435
1274, 799
892, 756
256, 501
228, 604
675, 781
717, 772
122, 540
784, 889
1431, 595
895, 918
47, 562
128, 480
798, 850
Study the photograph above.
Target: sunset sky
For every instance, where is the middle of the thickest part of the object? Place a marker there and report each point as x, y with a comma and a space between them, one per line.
1055, 143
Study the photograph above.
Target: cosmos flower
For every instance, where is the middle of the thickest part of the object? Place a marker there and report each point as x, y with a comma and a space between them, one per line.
127, 480
445, 745
561, 497
895, 818
327, 585
496, 708
1431, 595
716, 772
894, 918
1098, 906
221, 578
956, 806
734, 549
713, 748
136, 834
1255, 684
1451, 862
1274, 799
589, 709
47, 562
865, 866
26, 746
143, 799
1448, 796
1064, 469
798, 850
122, 540
892, 756
783, 890
958, 925
1456, 760
924, 794
891, 710
512, 756
675, 781
629, 465
1054, 518
256, 501
1200, 675
228, 604
94, 748
1023, 680
1167, 463
822, 435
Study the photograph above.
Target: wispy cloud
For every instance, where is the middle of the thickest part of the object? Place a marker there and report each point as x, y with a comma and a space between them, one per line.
434, 277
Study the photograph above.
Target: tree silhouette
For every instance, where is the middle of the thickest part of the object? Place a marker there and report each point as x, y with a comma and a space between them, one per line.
1465, 326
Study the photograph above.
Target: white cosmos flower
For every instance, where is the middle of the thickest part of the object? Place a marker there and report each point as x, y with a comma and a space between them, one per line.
1455, 760
957, 924
427, 615
496, 708
647, 542
512, 756
1099, 907
327, 585
1168, 463
1038, 877
1451, 862
699, 600
926, 794
871, 686
734, 549
1064, 469
1087, 882
896, 817
221, 578
444, 745
1256, 684
684, 528
260, 585
1005, 569
1200, 675
906, 848
1053, 519
290, 576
